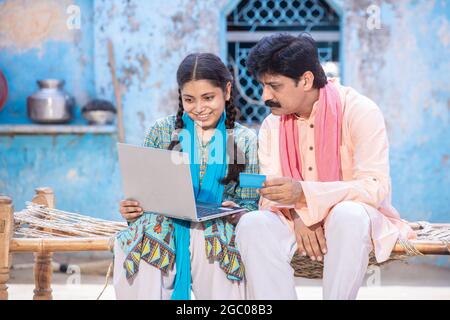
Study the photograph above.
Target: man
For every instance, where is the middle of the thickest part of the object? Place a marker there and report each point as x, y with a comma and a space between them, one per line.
325, 151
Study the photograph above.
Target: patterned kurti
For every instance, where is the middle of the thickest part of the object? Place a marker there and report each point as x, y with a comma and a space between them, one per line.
151, 237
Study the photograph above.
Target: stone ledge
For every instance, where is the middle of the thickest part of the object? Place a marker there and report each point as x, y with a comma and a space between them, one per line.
52, 129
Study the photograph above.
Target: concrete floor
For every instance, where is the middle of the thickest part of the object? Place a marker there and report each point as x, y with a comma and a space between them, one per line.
414, 279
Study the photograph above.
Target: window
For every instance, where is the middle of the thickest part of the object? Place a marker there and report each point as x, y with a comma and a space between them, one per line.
251, 20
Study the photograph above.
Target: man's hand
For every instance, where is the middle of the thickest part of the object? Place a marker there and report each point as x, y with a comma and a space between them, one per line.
310, 240
283, 190
233, 218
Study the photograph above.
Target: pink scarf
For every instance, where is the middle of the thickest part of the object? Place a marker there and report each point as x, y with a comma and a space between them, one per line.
327, 138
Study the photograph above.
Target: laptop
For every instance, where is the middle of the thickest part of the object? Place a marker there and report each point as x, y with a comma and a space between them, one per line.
161, 181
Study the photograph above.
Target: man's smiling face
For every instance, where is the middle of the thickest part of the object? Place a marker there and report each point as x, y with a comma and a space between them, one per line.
281, 94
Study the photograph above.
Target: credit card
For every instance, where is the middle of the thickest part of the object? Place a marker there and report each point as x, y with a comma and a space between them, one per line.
250, 180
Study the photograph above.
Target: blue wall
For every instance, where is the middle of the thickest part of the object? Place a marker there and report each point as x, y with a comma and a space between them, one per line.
71, 59
403, 66
83, 169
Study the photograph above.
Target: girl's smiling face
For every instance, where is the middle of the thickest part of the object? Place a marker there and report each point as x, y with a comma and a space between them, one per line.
204, 102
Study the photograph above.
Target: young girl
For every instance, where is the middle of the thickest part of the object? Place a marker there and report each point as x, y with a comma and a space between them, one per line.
157, 257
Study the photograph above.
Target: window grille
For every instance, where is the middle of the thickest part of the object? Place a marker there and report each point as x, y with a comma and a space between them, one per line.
250, 20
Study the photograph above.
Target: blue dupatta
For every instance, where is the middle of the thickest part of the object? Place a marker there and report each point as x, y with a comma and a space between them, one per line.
210, 191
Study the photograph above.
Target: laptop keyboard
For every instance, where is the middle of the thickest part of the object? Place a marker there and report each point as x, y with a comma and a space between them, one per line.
205, 211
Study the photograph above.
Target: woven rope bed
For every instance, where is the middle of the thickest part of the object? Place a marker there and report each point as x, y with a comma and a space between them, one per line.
43, 229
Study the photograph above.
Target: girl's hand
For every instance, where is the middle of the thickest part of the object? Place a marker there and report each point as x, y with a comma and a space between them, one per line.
229, 204
233, 218
130, 209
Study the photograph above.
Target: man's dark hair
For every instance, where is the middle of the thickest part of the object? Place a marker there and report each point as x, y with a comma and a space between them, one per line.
286, 55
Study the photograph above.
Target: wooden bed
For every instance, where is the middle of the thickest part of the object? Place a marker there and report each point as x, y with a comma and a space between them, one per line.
433, 239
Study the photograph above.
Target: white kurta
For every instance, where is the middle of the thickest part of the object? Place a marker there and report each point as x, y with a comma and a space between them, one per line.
365, 169
357, 211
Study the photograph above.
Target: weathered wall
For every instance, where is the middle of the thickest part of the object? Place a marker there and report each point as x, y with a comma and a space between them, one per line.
149, 41
35, 43
81, 169
404, 66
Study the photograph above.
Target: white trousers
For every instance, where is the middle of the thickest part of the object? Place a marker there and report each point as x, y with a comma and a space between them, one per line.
267, 246
209, 281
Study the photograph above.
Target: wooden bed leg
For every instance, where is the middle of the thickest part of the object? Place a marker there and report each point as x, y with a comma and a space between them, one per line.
43, 271
43, 276
6, 234
44, 196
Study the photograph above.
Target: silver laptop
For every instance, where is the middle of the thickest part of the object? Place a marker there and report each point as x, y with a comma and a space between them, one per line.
161, 181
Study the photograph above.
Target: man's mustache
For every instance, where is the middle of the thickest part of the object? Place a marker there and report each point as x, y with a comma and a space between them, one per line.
272, 104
